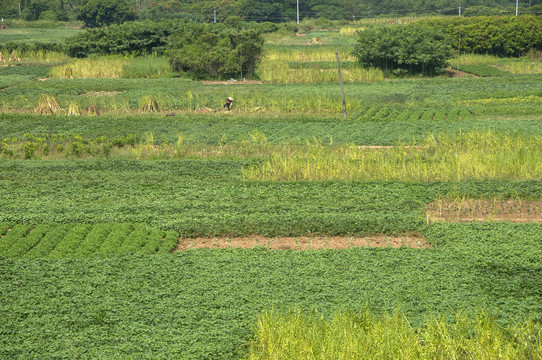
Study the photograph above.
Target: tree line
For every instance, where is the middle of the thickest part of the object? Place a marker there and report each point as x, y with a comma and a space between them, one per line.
249, 10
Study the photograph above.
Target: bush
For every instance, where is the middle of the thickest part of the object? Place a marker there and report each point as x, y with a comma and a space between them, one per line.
504, 36
97, 13
486, 11
127, 39
399, 49
212, 51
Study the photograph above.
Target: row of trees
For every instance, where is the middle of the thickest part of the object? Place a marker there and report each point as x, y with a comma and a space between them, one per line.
425, 47
222, 51
197, 50
251, 10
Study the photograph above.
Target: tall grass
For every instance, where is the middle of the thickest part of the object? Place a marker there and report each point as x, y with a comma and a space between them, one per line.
525, 65
530, 64
350, 335
113, 67
150, 67
33, 57
275, 67
474, 59
477, 155
101, 67
279, 72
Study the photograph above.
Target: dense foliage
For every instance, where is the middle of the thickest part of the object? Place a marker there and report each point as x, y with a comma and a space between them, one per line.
97, 13
131, 38
200, 50
267, 10
404, 49
501, 36
208, 51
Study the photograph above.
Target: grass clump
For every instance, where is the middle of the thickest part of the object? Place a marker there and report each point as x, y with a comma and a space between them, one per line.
148, 104
48, 104
149, 67
93, 110
74, 109
114, 67
362, 335
101, 67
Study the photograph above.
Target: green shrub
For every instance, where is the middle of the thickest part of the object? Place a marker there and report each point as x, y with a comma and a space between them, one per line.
127, 39
504, 36
400, 49
97, 13
208, 51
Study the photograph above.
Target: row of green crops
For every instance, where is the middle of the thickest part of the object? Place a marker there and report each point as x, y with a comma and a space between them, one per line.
202, 304
208, 197
80, 240
439, 156
221, 129
481, 97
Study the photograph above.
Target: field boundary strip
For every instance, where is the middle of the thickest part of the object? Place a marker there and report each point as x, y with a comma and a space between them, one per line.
472, 210
304, 242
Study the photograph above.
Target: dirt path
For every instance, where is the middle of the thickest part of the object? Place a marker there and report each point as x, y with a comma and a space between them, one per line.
459, 74
303, 243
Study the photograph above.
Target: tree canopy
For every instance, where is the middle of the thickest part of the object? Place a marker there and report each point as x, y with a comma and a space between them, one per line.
97, 13
404, 49
262, 10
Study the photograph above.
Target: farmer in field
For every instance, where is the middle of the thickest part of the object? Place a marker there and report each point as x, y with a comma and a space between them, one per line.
229, 103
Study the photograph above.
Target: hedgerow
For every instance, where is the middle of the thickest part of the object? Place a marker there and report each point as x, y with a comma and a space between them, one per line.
502, 36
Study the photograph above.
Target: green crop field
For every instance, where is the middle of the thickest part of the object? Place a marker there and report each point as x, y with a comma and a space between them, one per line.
108, 163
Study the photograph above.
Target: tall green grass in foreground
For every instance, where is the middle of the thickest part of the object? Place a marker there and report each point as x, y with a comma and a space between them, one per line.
361, 335
479, 155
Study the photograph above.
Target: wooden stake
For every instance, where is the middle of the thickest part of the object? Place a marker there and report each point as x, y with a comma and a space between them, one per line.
341, 82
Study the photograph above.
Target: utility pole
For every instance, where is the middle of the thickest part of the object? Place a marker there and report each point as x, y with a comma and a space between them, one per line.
517, 5
341, 82
214, 15
459, 10
298, 11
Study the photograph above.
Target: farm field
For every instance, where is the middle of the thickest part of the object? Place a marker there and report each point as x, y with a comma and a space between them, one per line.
130, 233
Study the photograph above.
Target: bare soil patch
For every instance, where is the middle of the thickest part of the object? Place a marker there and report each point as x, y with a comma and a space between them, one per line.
303, 242
229, 82
519, 211
459, 74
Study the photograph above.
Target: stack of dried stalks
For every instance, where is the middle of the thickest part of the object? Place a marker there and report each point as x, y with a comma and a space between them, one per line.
48, 104
149, 104
93, 110
74, 109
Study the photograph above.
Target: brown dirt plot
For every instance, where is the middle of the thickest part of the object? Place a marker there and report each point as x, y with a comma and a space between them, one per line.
303, 242
519, 211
